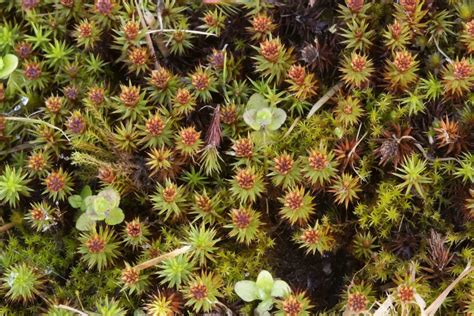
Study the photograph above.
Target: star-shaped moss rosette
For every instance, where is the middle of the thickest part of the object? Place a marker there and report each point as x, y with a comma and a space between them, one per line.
101, 207
8, 64
260, 116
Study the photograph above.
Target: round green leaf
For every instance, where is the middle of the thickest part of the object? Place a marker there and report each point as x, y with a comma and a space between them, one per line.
8, 64
112, 196
265, 281
75, 201
257, 102
86, 191
84, 222
278, 118
280, 288
246, 290
101, 205
250, 119
264, 117
264, 306
95, 216
115, 216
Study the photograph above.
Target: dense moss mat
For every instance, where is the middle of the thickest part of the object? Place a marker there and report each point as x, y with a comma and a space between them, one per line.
154, 154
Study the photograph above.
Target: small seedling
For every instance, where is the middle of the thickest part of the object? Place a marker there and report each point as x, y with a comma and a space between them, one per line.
264, 289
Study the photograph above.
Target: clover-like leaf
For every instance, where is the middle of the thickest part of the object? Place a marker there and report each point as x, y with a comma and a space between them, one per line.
251, 120
86, 191
263, 307
115, 216
112, 196
280, 288
101, 205
264, 117
76, 201
246, 290
278, 118
256, 102
265, 281
84, 222
90, 208
8, 64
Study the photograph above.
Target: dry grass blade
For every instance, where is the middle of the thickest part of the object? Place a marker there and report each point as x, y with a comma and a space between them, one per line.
324, 99
154, 261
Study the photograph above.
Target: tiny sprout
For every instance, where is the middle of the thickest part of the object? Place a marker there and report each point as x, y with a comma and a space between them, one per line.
104, 206
264, 289
260, 116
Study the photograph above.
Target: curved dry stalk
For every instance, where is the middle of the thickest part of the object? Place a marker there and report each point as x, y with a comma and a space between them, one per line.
293, 125
71, 309
324, 98
433, 308
33, 121
6, 227
147, 36
154, 261
186, 31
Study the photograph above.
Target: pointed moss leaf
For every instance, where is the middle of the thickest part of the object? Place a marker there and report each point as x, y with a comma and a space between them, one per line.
265, 281
112, 196
86, 191
278, 118
76, 201
246, 290
84, 222
8, 64
264, 306
257, 102
101, 205
280, 288
115, 216
264, 117
250, 119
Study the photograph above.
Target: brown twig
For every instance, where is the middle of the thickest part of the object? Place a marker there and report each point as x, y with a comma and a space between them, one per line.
154, 261
147, 36
71, 309
324, 99
17, 148
6, 227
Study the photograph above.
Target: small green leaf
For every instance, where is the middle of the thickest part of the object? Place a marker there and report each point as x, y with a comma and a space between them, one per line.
257, 102
95, 216
86, 191
278, 118
264, 117
8, 64
115, 216
250, 119
76, 201
246, 290
101, 205
280, 288
89, 202
84, 222
264, 306
112, 196
265, 281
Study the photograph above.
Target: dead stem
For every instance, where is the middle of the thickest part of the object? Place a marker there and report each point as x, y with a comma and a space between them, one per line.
324, 99
147, 36
6, 227
154, 261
